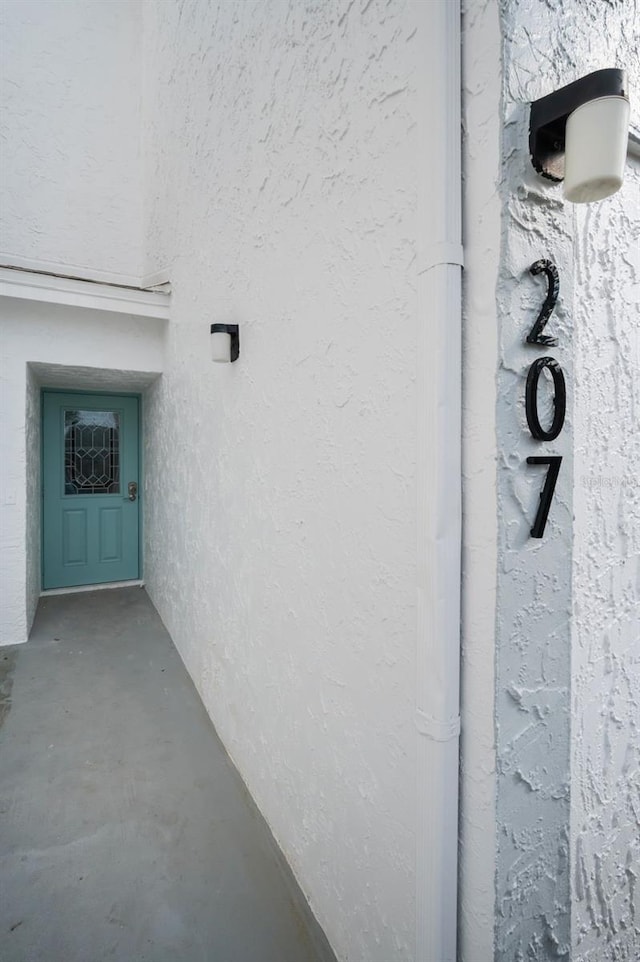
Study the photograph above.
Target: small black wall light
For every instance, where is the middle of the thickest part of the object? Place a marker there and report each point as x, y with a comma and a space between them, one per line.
225, 342
579, 134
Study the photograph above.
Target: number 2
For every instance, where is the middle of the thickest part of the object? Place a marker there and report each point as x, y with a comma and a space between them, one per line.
536, 336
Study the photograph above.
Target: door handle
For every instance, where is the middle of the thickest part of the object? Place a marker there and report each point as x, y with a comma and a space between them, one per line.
132, 487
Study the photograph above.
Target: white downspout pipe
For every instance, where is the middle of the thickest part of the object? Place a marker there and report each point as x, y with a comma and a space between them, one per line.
439, 478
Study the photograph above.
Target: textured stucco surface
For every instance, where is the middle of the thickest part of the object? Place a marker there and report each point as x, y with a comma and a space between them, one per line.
534, 576
568, 607
55, 346
282, 171
70, 191
605, 800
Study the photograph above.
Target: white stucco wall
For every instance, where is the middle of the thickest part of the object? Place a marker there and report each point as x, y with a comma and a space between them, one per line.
599, 248
533, 636
568, 612
56, 346
282, 157
605, 809
70, 191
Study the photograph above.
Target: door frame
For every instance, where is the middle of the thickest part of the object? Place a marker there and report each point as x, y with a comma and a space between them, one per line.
93, 393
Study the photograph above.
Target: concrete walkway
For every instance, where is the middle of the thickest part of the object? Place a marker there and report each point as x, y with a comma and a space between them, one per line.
125, 832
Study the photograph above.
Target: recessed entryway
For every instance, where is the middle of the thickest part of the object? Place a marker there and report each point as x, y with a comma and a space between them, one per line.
91, 482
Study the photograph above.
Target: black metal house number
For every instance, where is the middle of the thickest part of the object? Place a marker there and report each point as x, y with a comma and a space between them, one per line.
537, 337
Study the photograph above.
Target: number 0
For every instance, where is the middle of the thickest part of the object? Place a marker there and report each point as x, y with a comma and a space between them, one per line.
531, 399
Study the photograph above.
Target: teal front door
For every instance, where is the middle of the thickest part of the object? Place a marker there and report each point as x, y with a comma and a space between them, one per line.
90, 489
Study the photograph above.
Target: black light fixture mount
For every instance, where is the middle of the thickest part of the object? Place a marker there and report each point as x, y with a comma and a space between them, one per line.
549, 115
230, 343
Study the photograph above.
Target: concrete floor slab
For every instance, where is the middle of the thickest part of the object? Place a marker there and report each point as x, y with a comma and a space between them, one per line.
125, 831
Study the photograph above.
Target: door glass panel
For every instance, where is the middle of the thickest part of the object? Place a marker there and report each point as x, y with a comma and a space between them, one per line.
91, 452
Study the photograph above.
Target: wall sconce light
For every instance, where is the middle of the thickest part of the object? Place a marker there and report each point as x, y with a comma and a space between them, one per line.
579, 134
225, 342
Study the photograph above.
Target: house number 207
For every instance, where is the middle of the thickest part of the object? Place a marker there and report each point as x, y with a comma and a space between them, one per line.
537, 337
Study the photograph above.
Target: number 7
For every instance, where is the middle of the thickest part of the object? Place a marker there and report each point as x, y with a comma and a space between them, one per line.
546, 495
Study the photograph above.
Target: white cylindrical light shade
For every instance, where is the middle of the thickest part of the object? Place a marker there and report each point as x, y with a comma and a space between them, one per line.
221, 346
596, 149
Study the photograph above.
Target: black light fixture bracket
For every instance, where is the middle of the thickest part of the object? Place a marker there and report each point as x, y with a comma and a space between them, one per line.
548, 119
233, 331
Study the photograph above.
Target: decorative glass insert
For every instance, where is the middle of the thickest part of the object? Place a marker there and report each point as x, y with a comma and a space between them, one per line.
91, 452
